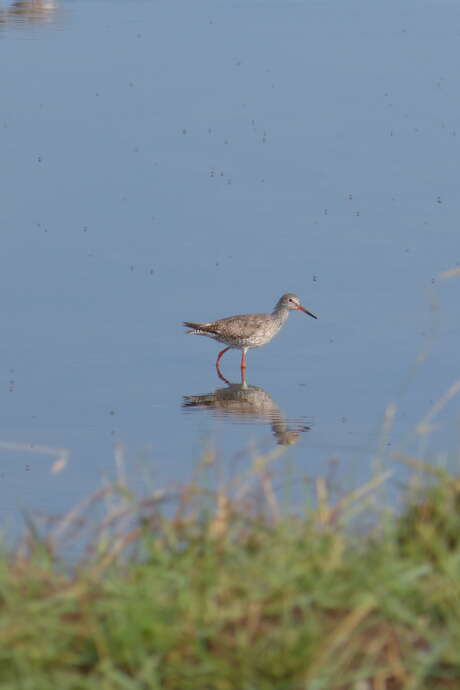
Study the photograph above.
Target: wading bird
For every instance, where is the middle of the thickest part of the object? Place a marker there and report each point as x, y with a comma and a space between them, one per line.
246, 331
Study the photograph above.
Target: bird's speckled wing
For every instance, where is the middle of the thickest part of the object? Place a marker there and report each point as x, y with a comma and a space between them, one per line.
240, 331
240, 326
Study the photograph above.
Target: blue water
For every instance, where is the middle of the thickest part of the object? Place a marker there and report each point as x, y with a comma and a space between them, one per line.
172, 160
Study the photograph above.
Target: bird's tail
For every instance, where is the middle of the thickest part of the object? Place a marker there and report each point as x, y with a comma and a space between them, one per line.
199, 328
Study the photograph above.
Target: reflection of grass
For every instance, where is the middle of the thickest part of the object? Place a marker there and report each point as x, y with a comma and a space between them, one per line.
230, 592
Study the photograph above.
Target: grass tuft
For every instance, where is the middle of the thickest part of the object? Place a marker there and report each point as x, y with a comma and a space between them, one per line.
231, 591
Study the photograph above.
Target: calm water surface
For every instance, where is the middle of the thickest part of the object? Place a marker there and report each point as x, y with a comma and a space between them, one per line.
173, 160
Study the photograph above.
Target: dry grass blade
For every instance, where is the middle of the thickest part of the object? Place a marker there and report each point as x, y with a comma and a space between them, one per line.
219, 524
425, 425
418, 465
450, 273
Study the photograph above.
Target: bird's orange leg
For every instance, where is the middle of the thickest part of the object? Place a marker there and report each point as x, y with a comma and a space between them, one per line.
243, 365
222, 378
222, 352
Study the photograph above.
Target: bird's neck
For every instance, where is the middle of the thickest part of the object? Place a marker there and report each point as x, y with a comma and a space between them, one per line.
280, 313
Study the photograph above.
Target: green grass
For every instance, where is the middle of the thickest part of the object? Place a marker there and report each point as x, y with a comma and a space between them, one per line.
227, 593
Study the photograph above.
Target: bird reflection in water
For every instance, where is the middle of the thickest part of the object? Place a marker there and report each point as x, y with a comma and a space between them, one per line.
29, 12
247, 402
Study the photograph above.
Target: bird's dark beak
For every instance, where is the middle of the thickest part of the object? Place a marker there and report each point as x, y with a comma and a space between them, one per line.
305, 311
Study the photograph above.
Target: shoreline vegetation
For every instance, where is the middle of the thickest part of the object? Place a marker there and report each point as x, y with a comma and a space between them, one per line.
241, 588
232, 590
